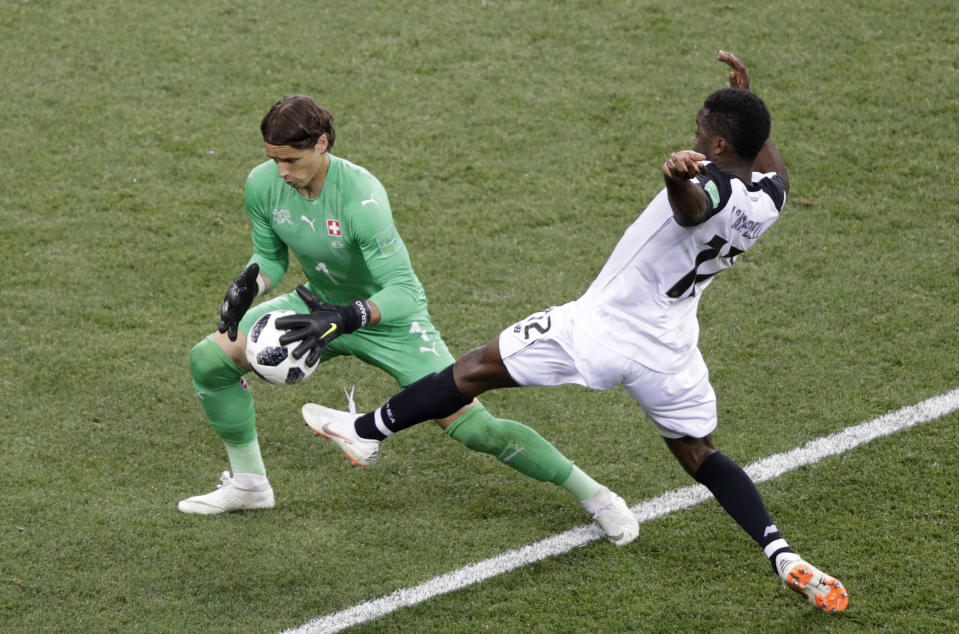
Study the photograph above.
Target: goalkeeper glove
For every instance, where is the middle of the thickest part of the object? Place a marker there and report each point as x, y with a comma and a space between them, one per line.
324, 323
239, 296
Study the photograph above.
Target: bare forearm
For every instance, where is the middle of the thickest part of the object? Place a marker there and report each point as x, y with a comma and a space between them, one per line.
687, 201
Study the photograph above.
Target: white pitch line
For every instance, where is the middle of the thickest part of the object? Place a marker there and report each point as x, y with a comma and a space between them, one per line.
676, 500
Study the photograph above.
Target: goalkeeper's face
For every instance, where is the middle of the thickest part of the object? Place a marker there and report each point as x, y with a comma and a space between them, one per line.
298, 167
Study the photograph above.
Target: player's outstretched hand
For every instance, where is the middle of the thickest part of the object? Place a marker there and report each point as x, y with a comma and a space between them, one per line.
315, 330
682, 166
238, 299
738, 77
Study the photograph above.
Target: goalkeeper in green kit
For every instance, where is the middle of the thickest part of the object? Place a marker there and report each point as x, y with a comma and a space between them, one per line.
361, 298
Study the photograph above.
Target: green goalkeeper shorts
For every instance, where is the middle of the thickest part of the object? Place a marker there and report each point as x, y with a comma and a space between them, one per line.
408, 350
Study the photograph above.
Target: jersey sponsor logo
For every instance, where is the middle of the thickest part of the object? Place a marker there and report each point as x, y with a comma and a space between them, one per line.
416, 329
751, 229
430, 349
369, 200
388, 241
282, 216
333, 227
308, 221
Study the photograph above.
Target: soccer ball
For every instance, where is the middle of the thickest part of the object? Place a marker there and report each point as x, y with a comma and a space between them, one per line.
270, 360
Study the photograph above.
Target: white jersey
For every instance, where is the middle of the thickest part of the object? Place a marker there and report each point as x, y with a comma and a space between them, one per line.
643, 303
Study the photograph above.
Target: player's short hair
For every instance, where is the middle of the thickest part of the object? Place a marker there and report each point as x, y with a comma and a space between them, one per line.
740, 117
298, 122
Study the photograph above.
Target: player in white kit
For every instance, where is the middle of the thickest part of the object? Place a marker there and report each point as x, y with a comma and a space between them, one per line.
636, 325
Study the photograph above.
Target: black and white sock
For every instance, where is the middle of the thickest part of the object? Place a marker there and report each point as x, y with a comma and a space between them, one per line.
434, 396
737, 494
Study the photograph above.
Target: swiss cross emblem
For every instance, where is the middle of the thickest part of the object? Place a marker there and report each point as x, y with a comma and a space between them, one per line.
333, 227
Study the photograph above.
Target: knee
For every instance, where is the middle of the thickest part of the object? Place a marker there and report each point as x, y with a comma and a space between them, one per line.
208, 364
480, 370
200, 368
695, 459
691, 452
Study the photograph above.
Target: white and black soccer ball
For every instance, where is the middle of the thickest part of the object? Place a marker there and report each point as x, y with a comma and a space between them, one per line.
272, 361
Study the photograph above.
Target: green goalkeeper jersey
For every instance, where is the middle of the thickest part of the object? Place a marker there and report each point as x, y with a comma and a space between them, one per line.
345, 238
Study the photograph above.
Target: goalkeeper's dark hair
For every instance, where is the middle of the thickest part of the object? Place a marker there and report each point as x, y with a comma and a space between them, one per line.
298, 122
740, 117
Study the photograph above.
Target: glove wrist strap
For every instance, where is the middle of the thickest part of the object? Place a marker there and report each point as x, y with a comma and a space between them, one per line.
358, 316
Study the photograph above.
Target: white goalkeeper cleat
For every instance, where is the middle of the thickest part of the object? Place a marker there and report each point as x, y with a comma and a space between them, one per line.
228, 497
613, 516
823, 591
337, 426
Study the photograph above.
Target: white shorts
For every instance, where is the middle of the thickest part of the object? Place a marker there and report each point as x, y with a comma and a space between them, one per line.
548, 349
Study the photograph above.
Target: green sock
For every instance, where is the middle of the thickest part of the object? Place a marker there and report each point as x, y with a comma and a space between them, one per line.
513, 444
245, 458
580, 484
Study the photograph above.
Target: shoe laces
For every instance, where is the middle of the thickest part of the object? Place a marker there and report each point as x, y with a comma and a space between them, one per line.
225, 480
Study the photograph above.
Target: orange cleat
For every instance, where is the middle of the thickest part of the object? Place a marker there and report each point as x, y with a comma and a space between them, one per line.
823, 591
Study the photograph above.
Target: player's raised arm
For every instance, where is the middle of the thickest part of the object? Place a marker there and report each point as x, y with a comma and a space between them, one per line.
768, 159
687, 199
738, 77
